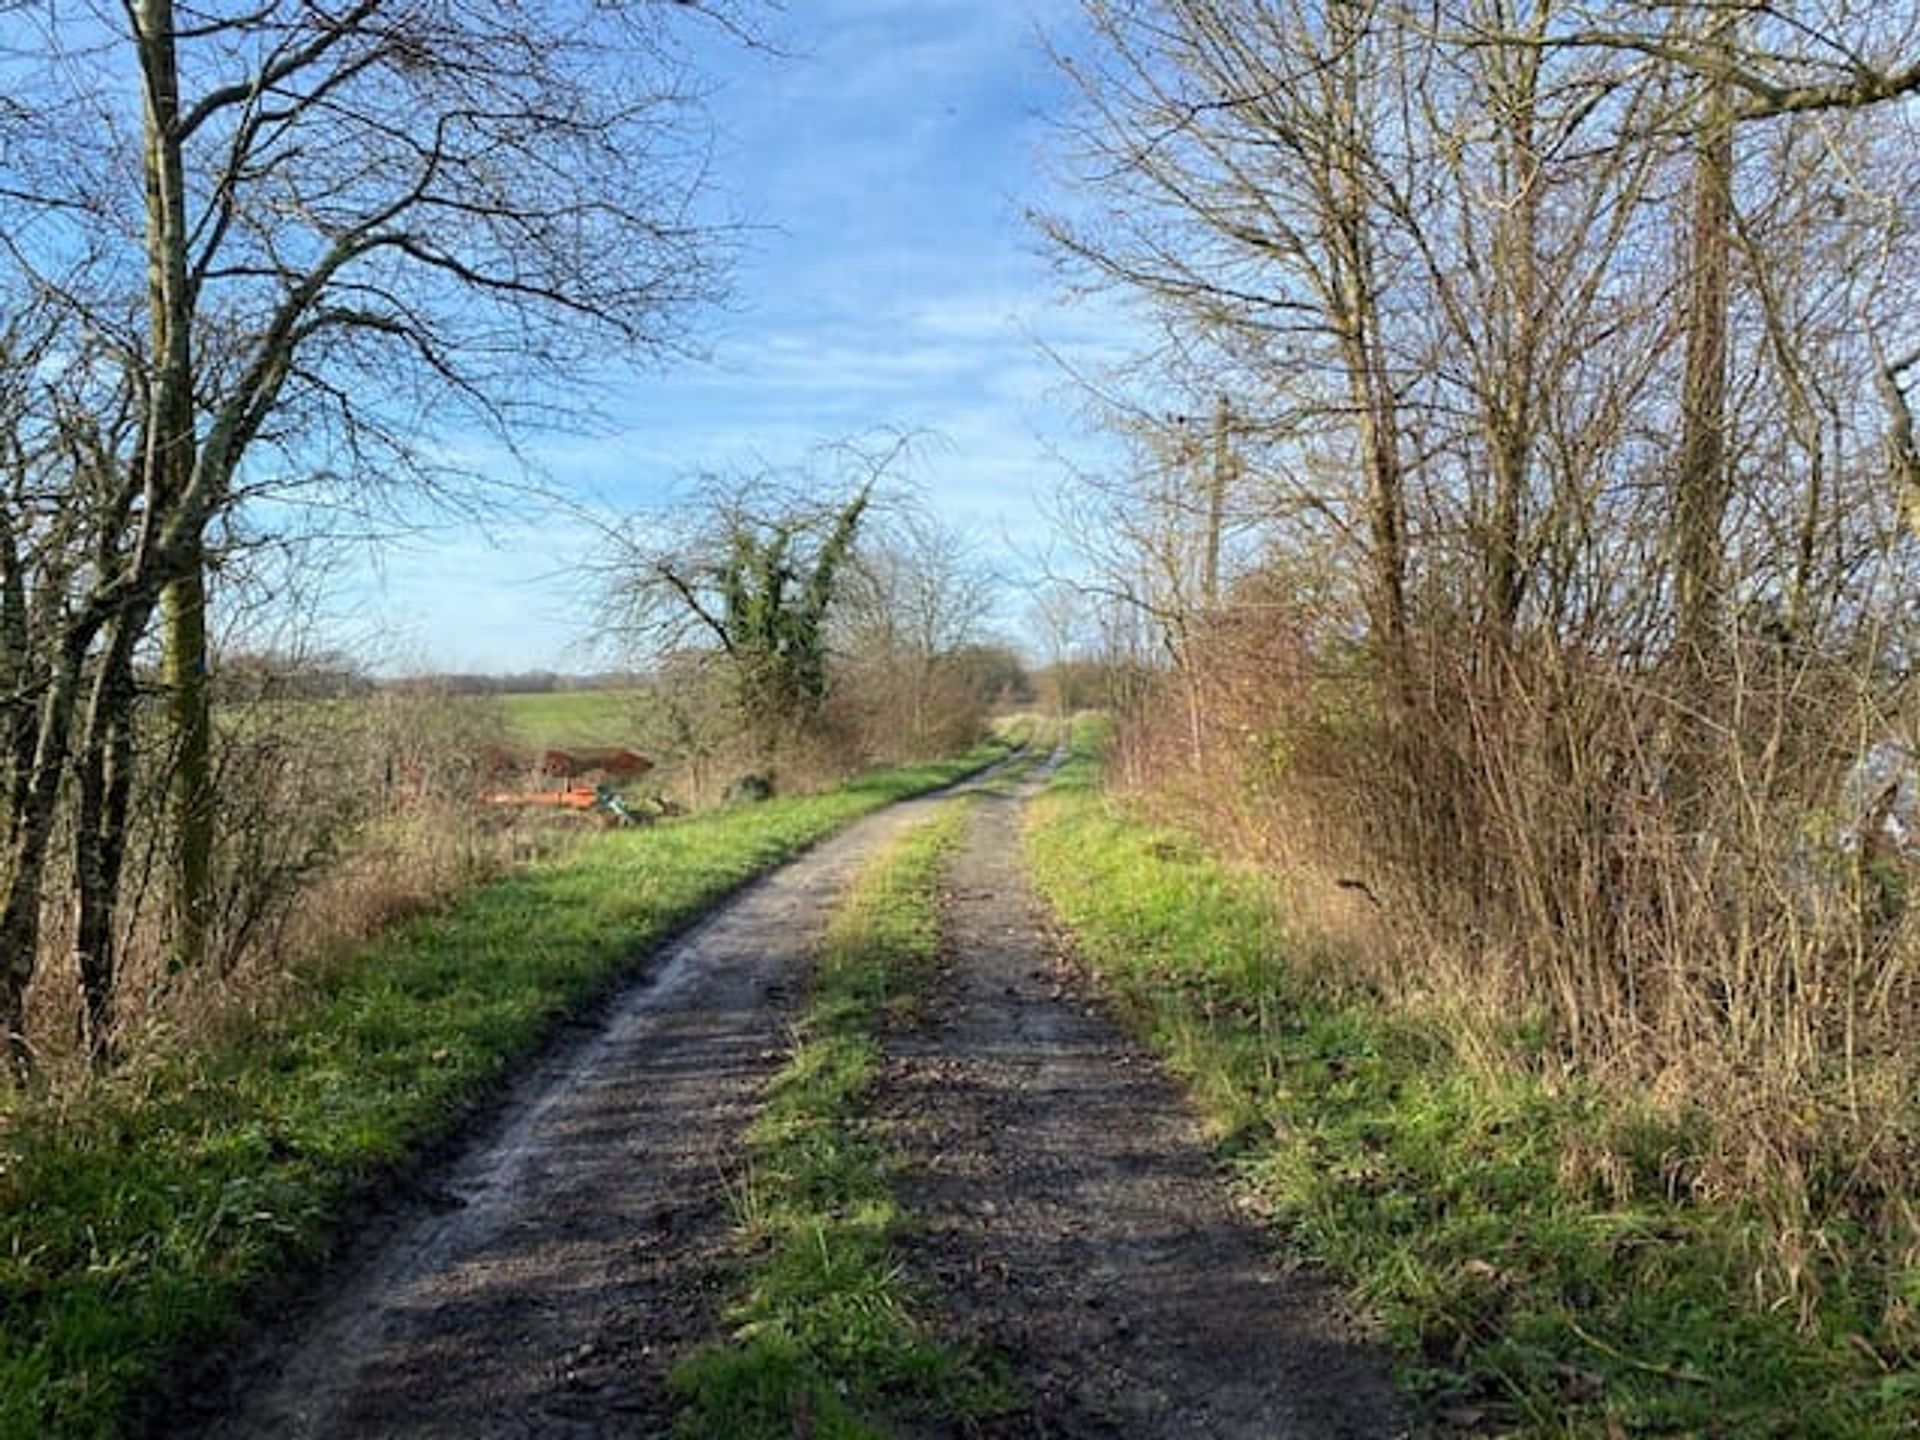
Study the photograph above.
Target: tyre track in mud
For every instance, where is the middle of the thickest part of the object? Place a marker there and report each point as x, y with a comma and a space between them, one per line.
547, 1279
1067, 1214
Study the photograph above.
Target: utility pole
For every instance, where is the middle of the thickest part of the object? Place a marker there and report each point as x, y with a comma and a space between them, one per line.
1217, 483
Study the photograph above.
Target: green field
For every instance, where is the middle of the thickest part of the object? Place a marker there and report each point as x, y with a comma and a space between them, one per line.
533, 721
566, 718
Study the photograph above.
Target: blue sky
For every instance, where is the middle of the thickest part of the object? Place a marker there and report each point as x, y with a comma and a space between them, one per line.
888, 279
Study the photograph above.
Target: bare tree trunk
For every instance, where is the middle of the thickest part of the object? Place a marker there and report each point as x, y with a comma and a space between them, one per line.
1386, 512
1359, 326
19, 944
1903, 454
1513, 408
184, 637
16, 677
104, 787
1506, 571
1377, 412
172, 454
30, 833
1804, 425
1217, 482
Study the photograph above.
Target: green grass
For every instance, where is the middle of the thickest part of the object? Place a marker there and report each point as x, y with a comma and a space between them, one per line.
825, 1339
136, 1222
580, 718
1519, 1296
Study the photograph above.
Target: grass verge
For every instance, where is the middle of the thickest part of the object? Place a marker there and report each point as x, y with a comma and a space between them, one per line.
1525, 1291
136, 1221
825, 1337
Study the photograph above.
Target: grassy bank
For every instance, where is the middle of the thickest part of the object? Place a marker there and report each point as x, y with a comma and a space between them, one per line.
1533, 1250
136, 1221
825, 1338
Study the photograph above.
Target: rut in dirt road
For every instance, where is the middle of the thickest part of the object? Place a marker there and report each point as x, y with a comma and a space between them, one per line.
1068, 1214
581, 1247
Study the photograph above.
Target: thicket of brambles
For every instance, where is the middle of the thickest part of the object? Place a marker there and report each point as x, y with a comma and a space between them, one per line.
1529, 577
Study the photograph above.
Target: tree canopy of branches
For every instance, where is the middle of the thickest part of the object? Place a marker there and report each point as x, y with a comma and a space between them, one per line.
1429, 252
1568, 361
278, 245
916, 603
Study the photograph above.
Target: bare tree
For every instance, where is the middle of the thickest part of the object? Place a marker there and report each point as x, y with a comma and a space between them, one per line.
73, 617
1740, 67
1568, 368
1151, 536
1237, 155
317, 237
917, 596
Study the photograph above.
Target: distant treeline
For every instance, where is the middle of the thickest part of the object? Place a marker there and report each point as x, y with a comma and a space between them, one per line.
995, 673
526, 682
330, 675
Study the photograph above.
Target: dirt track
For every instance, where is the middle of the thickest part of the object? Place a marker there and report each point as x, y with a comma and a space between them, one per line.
545, 1283
1069, 1214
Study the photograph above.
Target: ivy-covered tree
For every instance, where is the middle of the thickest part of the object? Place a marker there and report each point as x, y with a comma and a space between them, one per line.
750, 574
776, 584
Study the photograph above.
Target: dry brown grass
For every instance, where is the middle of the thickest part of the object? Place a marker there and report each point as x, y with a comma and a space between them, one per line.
1675, 887
337, 822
